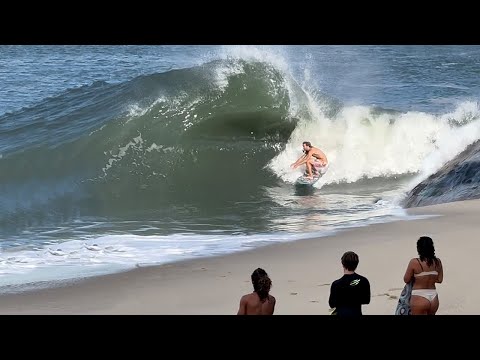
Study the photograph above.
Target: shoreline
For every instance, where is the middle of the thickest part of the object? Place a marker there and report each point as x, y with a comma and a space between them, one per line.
19, 287
301, 272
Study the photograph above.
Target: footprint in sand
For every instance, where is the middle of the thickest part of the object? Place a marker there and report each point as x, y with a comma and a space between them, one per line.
293, 293
326, 284
390, 297
314, 301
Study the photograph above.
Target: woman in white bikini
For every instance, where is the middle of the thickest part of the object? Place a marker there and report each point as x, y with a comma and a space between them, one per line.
425, 271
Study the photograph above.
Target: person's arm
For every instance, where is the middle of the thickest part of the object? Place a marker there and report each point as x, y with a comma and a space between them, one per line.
242, 310
366, 295
297, 163
274, 302
303, 159
408, 273
332, 300
440, 272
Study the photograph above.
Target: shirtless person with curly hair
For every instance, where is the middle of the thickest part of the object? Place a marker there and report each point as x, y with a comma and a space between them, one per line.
259, 302
314, 159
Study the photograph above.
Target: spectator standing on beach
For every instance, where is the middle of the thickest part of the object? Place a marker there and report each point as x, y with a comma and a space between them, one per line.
259, 302
351, 291
425, 271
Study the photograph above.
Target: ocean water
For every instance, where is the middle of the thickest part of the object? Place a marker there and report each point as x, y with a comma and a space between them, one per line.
113, 157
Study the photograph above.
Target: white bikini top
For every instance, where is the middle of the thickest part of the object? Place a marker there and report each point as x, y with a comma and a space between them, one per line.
425, 273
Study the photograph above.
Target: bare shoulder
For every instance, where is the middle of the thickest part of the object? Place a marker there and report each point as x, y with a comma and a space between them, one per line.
413, 264
247, 297
272, 299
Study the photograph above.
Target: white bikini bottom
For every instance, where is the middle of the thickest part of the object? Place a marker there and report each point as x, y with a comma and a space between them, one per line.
428, 294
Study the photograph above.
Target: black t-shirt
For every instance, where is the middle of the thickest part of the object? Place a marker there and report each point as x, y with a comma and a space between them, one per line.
348, 293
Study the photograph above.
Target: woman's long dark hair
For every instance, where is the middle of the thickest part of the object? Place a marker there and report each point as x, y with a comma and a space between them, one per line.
261, 283
426, 250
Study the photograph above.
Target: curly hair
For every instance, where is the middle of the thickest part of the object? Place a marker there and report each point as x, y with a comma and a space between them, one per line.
261, 283
426, 250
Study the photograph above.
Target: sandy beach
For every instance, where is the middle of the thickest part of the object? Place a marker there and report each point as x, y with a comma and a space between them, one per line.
301, 271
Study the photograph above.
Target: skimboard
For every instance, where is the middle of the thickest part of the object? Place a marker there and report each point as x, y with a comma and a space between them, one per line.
303, 180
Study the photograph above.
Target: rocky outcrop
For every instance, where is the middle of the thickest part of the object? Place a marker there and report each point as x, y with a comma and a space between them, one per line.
459, 179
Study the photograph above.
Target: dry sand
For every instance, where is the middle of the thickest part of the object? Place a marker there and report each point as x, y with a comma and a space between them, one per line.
301, 271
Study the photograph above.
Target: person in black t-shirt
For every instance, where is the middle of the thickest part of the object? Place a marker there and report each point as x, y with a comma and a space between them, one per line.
348, 293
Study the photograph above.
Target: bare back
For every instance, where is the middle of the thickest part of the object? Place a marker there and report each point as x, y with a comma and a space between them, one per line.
425, 276
318, 154
251, 305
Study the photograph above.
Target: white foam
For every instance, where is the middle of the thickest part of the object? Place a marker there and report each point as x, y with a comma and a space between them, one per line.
104, 254
360, 143
450, 141
135, 144
271, 54
135, 110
